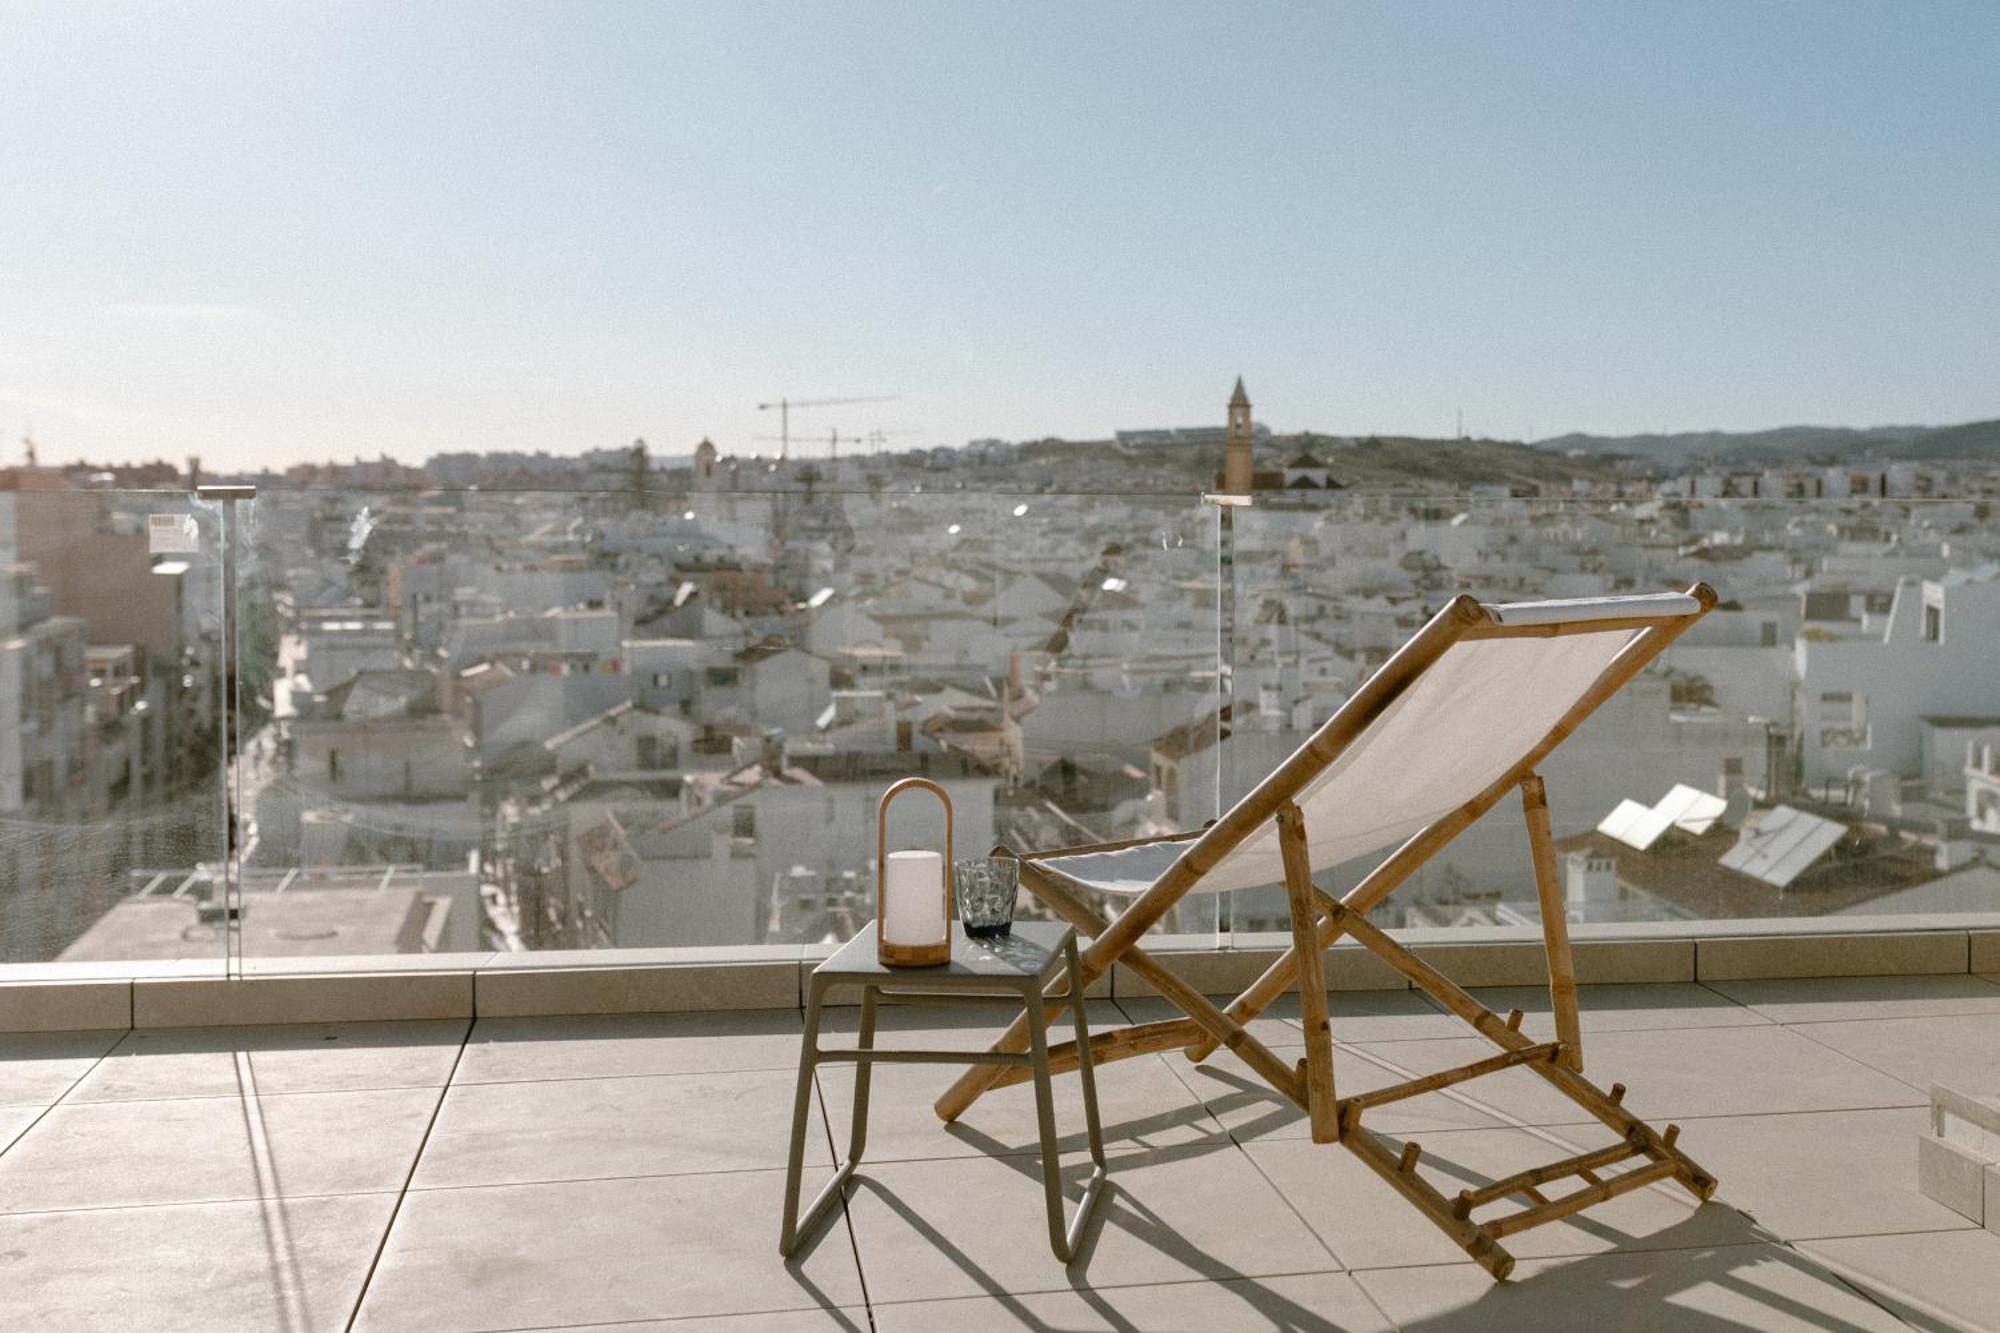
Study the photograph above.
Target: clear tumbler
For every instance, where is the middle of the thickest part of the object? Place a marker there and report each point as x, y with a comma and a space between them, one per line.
985, 887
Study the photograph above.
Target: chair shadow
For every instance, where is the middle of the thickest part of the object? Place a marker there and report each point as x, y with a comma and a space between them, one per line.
1648, 1288
1115, 1208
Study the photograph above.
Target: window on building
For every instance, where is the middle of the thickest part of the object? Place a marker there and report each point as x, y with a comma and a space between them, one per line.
333, 765
743, 822
1843, 719
1768, 633
1934, 624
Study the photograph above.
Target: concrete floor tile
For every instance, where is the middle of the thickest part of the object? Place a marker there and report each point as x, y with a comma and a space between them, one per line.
14, 1120
1763, 1287
38, 1067
307, 1057
1823, 1173
603, 1251
1367, 1224
290, 1264
1961, 1051
1734, 1071
503, 1050
1844, 999
592, 1128
1140, 1104
1618, 1008
1954, 1273
976, 1226
851, 1320
1307, 1303
1674, 1074
1251, 1110
191, 1150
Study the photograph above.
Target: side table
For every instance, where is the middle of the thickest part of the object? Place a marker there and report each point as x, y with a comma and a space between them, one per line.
1014, 968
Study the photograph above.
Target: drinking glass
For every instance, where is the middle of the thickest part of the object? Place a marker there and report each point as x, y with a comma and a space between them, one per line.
985, 887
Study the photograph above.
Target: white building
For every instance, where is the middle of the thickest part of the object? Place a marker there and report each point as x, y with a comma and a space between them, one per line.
1862, 700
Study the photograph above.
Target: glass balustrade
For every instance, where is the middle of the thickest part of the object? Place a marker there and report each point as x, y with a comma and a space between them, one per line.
467, 721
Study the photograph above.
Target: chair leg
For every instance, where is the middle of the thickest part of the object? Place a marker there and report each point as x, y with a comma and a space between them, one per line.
1555, 922
1322, 1108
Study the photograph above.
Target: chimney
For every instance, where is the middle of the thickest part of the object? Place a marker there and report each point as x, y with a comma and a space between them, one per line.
1735, 793
1591, 879
194, 471
771, 753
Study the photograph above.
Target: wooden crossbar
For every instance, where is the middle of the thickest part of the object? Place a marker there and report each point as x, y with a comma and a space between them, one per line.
1583, 1164
1352, 1107
1575, 1202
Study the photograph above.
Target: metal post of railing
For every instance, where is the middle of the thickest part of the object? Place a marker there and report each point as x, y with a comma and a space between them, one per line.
231, 771
1225, 671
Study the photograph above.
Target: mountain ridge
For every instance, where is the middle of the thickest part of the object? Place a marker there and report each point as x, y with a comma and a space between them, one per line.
1974, 440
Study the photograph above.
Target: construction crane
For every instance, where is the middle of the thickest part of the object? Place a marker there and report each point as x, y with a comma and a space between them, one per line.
873, 439
785, 406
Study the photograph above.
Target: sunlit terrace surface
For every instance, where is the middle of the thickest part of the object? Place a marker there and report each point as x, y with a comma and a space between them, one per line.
626, 1169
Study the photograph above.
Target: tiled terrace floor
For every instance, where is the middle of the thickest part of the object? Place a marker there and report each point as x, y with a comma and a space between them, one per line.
627, 1171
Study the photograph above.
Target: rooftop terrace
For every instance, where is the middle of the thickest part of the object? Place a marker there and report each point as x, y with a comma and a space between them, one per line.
626, 1168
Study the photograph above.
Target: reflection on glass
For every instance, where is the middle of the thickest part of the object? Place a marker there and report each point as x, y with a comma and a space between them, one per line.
111, 662
660, 716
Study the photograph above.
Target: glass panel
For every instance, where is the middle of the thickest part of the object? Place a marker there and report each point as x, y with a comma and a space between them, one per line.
1841, 705
111, 661
533, 720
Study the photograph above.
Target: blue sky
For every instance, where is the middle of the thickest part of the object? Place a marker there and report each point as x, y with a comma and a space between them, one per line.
268, 232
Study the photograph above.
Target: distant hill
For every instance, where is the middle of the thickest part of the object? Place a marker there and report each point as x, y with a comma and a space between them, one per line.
1975, 439
1394, 458
1784, 444
1793, 444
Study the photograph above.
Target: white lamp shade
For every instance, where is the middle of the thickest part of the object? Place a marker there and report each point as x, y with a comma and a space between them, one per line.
913, 899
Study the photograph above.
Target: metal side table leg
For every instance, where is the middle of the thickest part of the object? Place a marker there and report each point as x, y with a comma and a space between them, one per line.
1089, 1077
857, 1129
1062, 1241
788, 1240
1086, 1073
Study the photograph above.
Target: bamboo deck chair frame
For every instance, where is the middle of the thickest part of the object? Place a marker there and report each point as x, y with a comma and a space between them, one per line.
1647, 624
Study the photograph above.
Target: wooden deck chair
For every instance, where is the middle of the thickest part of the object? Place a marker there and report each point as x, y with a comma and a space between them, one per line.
1457, 719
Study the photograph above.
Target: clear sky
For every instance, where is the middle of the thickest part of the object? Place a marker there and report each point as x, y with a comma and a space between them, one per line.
269, 231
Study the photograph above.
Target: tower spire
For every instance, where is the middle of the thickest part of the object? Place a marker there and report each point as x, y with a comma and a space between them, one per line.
1236, 462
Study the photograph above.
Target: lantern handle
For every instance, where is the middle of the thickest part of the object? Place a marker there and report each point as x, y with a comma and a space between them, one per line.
882, 833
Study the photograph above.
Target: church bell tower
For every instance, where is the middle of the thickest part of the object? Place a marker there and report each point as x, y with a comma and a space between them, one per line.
1236, 465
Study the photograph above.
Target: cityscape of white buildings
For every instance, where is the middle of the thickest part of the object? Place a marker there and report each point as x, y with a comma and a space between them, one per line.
535, 702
